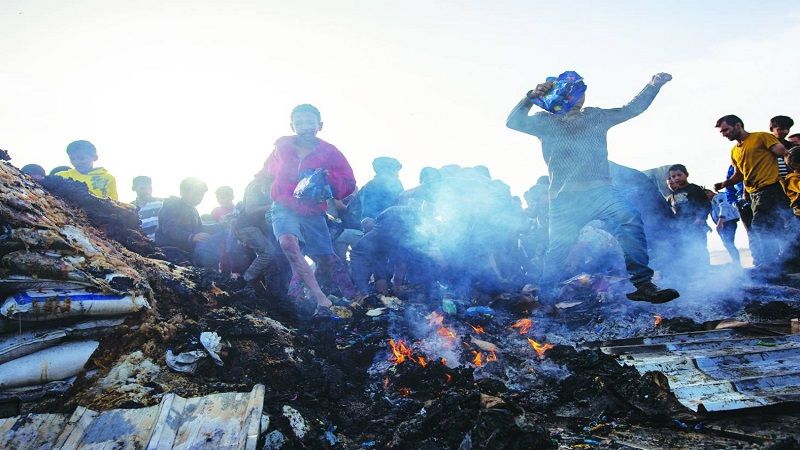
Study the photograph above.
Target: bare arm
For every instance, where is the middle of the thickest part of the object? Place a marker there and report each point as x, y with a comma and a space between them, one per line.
640, 103
778, 150
737, 177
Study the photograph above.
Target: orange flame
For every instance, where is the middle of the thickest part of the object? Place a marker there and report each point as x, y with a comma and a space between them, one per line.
400, 351
524, 325
405, 392
478, 359
478, 329
446, 333
540, 348
657, 320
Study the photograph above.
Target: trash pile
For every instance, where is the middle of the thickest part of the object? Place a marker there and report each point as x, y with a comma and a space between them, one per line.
62, 288
117, 329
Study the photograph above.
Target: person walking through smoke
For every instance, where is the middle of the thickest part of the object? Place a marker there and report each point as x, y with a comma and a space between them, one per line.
298, 220
576, 153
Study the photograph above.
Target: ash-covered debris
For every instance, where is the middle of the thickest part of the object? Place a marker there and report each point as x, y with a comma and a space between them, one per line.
495, 372
118, 221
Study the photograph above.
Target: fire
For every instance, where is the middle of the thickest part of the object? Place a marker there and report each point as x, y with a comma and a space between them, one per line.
405, 392
478, 329
402, 352
446, 333
657, 320
436, 319
479, 360
540, 348
524, 325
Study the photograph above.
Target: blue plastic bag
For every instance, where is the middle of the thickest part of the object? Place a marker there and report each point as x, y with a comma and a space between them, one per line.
567, 89
313, 186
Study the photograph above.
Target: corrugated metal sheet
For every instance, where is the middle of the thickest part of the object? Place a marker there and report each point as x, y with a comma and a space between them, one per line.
218, 421
718, 370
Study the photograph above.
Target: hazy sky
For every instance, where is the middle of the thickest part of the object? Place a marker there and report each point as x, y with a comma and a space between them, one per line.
203, 88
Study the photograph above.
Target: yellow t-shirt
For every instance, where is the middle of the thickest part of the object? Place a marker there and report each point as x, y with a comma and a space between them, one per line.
754, 160
792, 186
100, 183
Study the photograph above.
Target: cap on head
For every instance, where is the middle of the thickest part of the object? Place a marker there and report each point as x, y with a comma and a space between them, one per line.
81, 148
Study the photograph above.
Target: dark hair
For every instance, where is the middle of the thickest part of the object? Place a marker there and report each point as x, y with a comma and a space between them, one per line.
780, 122
678, 168
81, 147
33, 169
192, 184
793, 135
224, 190
58, 169
730, 119
793, 156
305, 107
141, 179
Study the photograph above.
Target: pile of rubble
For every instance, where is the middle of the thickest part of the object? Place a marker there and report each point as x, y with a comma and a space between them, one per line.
393, 373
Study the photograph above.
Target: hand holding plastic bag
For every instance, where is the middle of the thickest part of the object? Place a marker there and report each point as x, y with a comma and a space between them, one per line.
313, 186
567, 89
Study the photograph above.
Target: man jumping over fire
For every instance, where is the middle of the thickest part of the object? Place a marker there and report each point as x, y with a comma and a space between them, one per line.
575, 149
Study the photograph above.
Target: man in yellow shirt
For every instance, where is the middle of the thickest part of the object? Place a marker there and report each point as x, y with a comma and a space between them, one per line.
82, 155
753, 159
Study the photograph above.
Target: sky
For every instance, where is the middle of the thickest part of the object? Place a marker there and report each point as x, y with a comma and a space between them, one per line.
201, 88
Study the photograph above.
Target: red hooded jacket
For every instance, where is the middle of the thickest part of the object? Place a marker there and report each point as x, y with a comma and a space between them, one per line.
285, 166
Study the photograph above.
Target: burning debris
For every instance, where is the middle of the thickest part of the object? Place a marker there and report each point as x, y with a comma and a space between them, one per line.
399, 372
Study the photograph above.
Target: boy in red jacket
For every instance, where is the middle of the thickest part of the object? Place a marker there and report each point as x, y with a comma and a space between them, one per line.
299, 223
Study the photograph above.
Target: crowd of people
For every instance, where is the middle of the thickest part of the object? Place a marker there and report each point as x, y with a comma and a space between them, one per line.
460, 229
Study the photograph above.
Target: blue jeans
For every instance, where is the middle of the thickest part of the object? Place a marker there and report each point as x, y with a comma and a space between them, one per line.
571, 211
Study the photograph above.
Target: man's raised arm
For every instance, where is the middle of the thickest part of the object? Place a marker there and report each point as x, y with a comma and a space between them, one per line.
519, 119
639, 103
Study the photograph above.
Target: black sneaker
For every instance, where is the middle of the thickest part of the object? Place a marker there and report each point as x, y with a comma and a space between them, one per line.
649, 292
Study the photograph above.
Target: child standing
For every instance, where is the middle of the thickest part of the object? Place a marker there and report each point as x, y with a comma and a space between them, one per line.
690, 207
726, 216
82, 155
